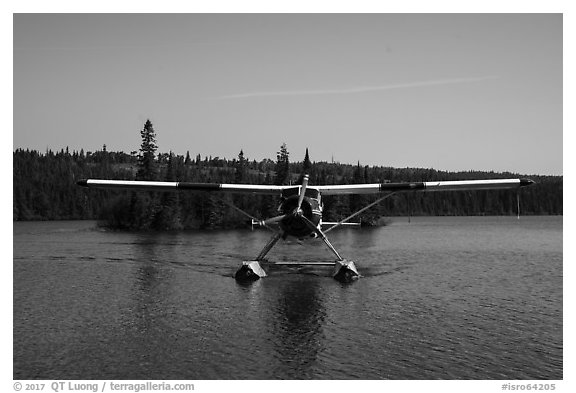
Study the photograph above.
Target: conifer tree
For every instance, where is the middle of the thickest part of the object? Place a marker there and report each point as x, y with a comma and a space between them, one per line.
240, 172
282, 166
146, 159
306, 167
144, 206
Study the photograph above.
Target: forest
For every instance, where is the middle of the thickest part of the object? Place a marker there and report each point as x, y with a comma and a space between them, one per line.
44, 188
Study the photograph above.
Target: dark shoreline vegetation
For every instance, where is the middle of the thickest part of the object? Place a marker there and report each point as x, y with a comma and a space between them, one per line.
45, 189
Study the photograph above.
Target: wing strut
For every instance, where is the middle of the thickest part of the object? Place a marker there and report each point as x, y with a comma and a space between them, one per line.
264, 223
359, 212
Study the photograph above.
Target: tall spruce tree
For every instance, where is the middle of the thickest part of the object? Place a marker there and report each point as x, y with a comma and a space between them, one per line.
240, 172
306, 167
282, 166
144, 206
146, 159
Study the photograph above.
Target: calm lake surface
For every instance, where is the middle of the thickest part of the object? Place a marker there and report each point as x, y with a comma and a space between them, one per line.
440, 298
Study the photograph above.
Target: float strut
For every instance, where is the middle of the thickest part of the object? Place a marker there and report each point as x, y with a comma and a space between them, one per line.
319, 232
344, 271
252, 270
271, 243
330, 246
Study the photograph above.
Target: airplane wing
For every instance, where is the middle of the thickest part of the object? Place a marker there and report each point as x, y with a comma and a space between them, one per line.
182, 186
345, 189
463, 185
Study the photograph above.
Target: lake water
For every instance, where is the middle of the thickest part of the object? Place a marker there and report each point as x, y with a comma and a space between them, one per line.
440, 298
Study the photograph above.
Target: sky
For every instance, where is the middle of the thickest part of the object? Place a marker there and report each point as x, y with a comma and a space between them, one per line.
452, 92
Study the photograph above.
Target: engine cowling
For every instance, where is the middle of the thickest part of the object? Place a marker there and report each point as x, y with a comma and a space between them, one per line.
293, 224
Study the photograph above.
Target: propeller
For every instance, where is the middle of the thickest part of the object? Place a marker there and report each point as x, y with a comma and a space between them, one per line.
272, 220
297, 211
302, 194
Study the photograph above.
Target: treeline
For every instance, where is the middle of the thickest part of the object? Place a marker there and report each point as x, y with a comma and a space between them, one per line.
45, 189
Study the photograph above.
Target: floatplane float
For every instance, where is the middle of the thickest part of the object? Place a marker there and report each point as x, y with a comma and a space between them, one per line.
300, 210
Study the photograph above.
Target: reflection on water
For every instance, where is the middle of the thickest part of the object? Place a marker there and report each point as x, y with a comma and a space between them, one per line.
297, 321
440, 298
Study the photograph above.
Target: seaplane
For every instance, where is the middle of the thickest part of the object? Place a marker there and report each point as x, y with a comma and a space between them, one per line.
300, 210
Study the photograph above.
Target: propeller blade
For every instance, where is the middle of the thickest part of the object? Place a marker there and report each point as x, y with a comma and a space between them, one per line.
273, 220
302, 191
